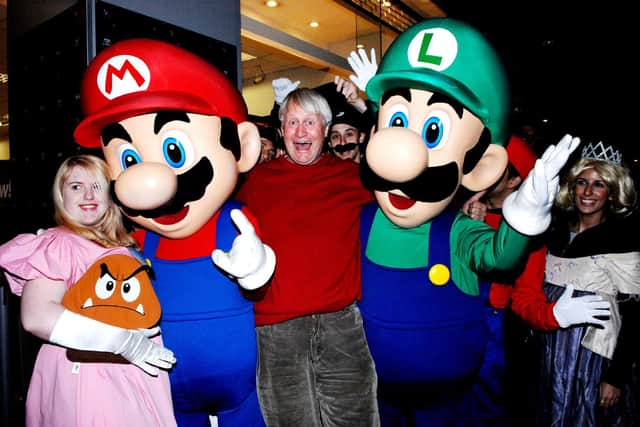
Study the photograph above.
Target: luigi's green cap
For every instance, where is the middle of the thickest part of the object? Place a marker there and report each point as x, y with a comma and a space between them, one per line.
448, 56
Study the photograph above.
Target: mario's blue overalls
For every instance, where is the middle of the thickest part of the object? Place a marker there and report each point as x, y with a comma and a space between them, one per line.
427, 341
203, 309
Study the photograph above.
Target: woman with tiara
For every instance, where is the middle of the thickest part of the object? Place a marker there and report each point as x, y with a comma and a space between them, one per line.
591, 252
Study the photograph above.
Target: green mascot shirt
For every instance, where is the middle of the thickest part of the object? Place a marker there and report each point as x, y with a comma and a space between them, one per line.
475, 248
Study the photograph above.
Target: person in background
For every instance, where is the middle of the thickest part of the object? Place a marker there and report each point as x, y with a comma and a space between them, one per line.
346, 134
41, 268
268, 138
590, 253
315, 367
501, 393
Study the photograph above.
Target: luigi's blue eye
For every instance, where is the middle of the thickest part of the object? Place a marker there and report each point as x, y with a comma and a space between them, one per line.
128, 156
435, 131
397, 116
398, 119
177, 149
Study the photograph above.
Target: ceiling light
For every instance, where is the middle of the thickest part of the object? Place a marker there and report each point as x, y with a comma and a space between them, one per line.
271, 3
314, 24
386, 3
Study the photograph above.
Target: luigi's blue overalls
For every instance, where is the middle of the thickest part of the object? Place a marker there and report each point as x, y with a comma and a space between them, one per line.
426, 336
209, 326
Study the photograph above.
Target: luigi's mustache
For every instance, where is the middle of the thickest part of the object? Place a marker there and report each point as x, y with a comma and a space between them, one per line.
434, 184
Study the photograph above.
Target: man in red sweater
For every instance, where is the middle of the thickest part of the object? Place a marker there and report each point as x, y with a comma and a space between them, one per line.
314, 363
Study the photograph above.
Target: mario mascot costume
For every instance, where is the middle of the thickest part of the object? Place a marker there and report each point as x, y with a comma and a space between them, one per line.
443, 109
173, 130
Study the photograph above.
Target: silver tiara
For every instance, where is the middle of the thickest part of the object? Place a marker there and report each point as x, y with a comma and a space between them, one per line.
600, 151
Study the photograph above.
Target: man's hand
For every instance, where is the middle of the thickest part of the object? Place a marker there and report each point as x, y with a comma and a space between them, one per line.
528, 210
474, 208
570, 311
350, 93
364, 68
283, 87
249, 260
609, 395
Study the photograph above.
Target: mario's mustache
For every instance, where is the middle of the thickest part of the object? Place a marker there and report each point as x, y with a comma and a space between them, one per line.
191, 186
434, 184
341, 148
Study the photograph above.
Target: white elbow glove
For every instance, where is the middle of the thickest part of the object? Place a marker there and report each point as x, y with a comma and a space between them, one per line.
570, 311
528, 210
75, 331
283, 87
364, 68
250, 261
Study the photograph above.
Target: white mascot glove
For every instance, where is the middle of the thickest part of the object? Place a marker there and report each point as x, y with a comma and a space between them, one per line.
283, 87
250, 261
364, 68
574, 311
75, 331
528, 210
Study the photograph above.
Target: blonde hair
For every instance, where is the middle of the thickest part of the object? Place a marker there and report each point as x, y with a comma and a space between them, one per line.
110, 230
310, 101
622, 192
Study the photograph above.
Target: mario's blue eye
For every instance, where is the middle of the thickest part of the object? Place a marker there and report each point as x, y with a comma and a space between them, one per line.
397, 116
173, 152
177, 149
435, 131
128, 156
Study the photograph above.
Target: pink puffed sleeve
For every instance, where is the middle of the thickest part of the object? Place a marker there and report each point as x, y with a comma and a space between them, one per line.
56, 254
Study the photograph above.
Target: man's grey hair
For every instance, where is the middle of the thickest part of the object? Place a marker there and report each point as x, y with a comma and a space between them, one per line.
310, 101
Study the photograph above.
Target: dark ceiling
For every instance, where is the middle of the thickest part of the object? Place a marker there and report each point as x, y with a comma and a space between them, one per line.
568, 63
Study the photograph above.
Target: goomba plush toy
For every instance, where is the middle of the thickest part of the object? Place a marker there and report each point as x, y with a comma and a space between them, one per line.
116, 290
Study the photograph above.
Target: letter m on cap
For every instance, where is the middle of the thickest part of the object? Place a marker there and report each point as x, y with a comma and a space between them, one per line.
123, 74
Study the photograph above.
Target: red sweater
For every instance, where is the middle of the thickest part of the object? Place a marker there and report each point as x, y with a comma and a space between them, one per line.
310, 216
527, 298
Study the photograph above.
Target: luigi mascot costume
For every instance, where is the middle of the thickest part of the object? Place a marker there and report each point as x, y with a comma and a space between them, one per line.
443, 107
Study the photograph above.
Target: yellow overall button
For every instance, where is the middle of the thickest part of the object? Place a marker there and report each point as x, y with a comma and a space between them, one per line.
439, 274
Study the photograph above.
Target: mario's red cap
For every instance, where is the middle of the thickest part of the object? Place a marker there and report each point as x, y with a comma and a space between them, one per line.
521, 156
138, 76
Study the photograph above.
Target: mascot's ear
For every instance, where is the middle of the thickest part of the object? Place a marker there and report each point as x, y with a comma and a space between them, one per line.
250, 146
488, 170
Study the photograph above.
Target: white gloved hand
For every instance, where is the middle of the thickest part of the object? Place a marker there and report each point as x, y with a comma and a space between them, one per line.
528, 210
75, 331
250, 261
364, 68
283, 87
570, 311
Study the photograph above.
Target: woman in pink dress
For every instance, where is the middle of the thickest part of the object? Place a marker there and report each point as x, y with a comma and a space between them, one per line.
41, 268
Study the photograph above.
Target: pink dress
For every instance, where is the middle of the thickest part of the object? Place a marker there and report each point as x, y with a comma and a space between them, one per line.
65, 393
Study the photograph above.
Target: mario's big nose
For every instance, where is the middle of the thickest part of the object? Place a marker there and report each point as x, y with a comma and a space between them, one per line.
397, 154
146, 186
